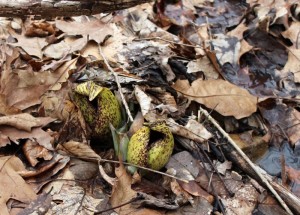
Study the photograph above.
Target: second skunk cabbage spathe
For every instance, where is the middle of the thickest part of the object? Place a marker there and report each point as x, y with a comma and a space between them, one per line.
151, 146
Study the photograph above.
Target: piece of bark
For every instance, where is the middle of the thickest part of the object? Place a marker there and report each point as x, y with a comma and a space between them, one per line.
52, 8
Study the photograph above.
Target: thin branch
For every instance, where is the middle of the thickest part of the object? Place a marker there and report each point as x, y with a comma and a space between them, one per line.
81, 202
139, 197
168, 41
210, 182
245, 157
145, 168
208, 28
118, 84
215, 170
130, 164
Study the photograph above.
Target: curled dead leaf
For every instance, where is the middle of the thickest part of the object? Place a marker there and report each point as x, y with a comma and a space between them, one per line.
33, 151
79, 149
193, 130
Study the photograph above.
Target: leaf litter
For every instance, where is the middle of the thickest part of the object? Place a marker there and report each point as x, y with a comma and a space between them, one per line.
238, 60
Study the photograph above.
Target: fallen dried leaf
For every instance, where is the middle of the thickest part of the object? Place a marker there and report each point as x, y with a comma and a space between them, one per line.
57, 50
32, 45
182, 196
25, 121
12, 185
95, 29
37, 134
5, 109
80, 150
200, 207
25, 97
43, 177
48, 167
283, 120
196, 132
293, 64
123, 193
254, 146
204, 65
63, 72
146, 105
136, 124
292, 33
243, 202
39, 29
219, 95
198, 129
185, 165
73, 199
42, 203
194, 189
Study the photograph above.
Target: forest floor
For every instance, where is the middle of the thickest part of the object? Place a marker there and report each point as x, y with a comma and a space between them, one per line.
222, 76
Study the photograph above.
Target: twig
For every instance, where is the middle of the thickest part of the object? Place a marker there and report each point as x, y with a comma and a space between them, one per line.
215, 170
283, 171
139, 197
118, 84
169, 41
145, 168
245, 157
129, 164
81, 202
208, 28
210, 182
